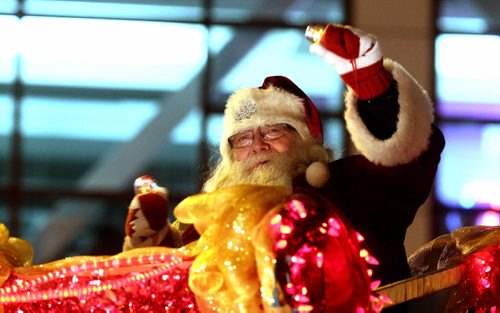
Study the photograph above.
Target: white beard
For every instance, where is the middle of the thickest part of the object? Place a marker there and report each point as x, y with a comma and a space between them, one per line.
278, 170
266, 168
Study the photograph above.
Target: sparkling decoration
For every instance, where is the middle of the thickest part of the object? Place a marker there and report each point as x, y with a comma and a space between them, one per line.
235, 266
261, 250
479, 288
153, 280
322, 267
13, 252
144, 184
246, 111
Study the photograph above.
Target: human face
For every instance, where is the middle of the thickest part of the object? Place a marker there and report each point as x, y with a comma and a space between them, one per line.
272, 138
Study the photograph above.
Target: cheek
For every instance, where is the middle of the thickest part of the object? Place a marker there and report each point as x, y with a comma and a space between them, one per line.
240, 154
282, 147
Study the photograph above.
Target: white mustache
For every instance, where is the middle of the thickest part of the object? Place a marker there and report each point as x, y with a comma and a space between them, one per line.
253, 161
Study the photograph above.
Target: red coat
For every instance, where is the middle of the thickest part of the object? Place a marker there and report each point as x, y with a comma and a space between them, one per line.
380, 202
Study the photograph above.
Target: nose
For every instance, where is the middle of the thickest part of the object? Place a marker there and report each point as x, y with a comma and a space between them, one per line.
258, 143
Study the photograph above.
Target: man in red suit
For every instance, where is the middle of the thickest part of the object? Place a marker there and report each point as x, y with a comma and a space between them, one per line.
272, 135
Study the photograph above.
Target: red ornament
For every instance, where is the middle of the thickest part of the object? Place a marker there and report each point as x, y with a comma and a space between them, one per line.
479, 287
320, 264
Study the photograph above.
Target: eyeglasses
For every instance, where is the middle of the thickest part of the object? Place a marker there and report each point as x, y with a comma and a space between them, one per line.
267, 133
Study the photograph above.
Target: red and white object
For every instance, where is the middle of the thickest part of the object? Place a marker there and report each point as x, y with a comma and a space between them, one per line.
356, 56
148, 217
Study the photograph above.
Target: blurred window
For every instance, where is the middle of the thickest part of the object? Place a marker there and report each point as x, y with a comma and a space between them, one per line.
96, 93
468, 107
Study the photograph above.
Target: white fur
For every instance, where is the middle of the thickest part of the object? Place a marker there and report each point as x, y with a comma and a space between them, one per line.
413, 128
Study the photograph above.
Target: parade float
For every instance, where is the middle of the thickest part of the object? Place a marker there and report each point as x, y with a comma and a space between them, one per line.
261, 250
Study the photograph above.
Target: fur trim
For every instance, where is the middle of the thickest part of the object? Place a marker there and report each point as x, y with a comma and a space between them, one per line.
250, 108
414, 123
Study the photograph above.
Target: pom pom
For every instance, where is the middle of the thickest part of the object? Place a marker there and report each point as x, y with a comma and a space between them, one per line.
317, 174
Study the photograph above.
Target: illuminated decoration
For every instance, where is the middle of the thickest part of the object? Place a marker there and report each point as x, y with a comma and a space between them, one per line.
479, 288
151, 279
322, 266
260, 250
147, 281
235, 265
13, 252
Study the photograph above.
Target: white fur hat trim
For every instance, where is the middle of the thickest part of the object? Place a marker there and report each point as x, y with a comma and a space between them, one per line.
250, 108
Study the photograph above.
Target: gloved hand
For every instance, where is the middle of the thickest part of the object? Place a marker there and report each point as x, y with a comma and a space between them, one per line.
147, 221
357, 57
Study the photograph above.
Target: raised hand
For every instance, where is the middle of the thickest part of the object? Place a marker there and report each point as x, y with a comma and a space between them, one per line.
356, 56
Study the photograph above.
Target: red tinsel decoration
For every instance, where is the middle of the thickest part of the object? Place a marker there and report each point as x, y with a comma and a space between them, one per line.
322, 267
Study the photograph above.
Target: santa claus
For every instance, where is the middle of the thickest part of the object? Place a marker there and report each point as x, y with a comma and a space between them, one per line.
272, 135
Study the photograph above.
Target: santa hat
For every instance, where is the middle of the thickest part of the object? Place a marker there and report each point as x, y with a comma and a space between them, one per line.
277, 101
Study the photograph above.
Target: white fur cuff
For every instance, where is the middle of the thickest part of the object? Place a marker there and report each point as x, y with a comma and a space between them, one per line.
413, 128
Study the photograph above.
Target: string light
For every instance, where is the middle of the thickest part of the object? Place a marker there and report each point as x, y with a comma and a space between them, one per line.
302, 234
153, 280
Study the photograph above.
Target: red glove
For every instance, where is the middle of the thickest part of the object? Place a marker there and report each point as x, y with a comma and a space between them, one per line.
357, 57
148, 221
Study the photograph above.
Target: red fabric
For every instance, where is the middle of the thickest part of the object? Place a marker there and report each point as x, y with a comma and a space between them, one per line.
341, 41
155, 209
312, 115
369, 82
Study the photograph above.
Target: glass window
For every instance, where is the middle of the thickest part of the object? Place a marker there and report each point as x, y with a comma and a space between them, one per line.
8, 6
176, 161
182, 10
6, 115
72, 226
469, 16
469, 174
213, 134
4, 213
188, 130
467, 78
334, 136
111, 90
63, 138
214, 129
6, 126
81, 119
292, 12
468, 108
111, 53
61, 132
176, 167
9, 27
270, 53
